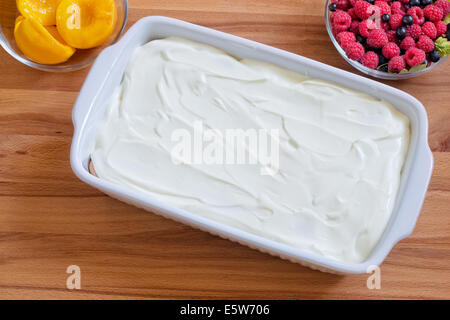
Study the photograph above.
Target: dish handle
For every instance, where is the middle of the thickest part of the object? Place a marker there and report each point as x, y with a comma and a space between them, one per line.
419, 182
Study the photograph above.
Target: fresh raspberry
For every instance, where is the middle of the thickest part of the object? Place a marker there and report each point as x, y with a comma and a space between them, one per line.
390, 50
396, 64
429, 29
433, 13
397, 8
392, 37
444, 5
342, 4
370, 60
355, 51
407, 43
354, 27
352, 14
366, 26
414, 56
341, 21
345, 38
353, 2
414, 31
363, 9
385, 26
441, 28
405, 1
395, 21
377, 38
425, 43
384, 7
417, 14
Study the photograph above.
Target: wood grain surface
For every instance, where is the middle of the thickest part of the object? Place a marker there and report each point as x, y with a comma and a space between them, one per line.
50, 220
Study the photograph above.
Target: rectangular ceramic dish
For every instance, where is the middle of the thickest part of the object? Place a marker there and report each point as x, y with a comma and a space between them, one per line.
106, 74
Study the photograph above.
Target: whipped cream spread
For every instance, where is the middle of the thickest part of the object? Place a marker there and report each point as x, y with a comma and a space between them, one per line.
340, 151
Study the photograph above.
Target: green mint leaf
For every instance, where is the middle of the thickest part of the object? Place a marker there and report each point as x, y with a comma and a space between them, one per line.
447, 18
418, 68
443, 46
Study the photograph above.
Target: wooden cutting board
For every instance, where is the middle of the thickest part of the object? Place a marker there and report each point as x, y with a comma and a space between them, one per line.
50, 220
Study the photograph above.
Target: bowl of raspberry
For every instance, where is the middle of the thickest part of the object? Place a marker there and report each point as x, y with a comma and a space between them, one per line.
390, 39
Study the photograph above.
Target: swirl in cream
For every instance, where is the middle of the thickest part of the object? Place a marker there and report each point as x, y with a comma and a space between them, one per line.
341, 152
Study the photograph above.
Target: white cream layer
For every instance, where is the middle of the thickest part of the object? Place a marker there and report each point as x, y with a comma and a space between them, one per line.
341, 151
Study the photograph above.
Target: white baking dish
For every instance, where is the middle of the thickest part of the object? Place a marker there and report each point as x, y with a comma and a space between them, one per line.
106, 74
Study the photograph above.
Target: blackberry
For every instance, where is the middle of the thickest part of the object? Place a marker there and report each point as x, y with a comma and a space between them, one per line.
414, 3
384, 68
401, 32
426, 2
434, 56
407, 20
361, 39
382, 60
386, 17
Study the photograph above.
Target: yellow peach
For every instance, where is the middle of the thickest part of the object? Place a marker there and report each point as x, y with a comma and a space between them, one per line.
44, 11
85, 24
41, 43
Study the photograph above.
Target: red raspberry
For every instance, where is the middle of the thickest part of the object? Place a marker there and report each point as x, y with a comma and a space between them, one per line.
407, 43
342, 4
355, 51
397, 8
392, 37
366, 26
405, 1
363, 9
341, 21
414, 56
352, 13
429, 29
384, 7
395, 21
385, 26
414, 31
444, 5
433, 13
425, 43
396, 64
345, 38
417, 15
353, 2
441, 28
370, 60
377, 38
390, 50
354, 27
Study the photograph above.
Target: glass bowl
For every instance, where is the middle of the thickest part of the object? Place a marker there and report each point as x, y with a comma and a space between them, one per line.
81, 59
373, 72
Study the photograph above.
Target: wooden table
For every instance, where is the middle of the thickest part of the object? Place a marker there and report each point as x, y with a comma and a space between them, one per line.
50, 220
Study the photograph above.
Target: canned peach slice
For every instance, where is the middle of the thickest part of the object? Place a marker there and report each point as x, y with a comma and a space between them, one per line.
85, 24
40, 43
44, 11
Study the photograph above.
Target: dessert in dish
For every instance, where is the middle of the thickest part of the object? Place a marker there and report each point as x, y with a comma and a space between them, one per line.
340, 151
